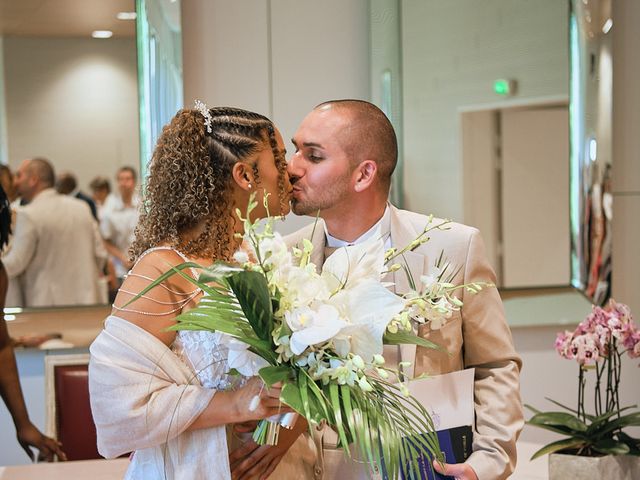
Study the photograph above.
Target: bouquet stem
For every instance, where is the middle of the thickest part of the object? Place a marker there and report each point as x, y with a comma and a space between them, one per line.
268, 430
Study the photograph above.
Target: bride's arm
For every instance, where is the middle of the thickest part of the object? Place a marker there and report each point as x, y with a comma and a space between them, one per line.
254, 401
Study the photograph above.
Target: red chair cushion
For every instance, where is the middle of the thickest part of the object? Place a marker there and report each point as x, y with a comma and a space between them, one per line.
74, 421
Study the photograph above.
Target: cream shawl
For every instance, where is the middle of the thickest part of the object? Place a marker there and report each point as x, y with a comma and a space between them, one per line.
143, 398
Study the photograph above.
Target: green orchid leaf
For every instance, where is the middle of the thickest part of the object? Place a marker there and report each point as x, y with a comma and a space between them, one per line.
602, 421
630, 420
252, 292
632, 443
609, 446
274, 374
409, 338
558, 419
558, 446
572, 410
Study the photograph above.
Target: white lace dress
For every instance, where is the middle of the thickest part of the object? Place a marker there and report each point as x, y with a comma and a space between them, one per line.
206, 356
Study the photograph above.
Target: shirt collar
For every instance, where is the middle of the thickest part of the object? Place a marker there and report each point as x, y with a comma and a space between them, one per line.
381, 229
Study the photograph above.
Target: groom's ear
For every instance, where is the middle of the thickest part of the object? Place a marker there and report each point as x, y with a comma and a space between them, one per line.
242, 174
365, 175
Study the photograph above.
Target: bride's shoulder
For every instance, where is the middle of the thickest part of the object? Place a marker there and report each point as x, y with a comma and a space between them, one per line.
154, 309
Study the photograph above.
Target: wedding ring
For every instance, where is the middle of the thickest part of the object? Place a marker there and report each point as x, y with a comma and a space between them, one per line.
255, 401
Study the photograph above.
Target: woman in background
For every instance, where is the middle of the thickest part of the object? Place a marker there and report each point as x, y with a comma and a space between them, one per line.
10, 390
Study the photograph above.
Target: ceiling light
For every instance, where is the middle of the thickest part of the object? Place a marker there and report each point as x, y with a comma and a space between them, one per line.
607, 26
102, 34
126, 16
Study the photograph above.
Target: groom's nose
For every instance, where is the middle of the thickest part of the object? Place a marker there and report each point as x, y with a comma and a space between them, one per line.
294, 168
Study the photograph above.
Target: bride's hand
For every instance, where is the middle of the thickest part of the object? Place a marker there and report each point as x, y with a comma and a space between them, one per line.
256, 401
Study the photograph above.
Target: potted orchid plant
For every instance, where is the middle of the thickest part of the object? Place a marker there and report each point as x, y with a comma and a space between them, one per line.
595, 445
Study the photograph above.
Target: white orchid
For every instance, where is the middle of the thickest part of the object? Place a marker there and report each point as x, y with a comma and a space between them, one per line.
303, 287
369, 307
241, 358
312, 326
350, 265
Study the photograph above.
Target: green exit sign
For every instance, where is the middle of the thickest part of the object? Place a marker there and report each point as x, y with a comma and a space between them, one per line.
504, 87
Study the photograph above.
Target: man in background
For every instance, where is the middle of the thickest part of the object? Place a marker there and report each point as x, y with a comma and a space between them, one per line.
56, 248
119, 219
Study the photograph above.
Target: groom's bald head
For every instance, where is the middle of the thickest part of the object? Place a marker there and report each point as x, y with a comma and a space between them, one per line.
368, 135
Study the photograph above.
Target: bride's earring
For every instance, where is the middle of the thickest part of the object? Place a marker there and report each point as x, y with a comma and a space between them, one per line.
250, 186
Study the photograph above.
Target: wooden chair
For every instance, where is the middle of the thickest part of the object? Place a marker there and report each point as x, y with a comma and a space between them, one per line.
68, 416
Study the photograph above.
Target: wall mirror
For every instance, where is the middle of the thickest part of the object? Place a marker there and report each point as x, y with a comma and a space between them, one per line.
497, 114
90, 105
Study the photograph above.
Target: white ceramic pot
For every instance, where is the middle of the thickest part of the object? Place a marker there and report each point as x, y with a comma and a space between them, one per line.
610, 467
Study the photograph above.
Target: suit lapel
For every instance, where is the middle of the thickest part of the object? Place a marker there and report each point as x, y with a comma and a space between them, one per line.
319, 240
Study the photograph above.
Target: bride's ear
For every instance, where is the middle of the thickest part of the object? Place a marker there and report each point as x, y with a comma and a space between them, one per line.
242, 174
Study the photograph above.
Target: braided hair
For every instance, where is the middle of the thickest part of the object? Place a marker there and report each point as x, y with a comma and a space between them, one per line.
190, 179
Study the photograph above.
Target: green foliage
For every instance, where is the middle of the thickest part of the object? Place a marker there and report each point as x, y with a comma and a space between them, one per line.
598, 435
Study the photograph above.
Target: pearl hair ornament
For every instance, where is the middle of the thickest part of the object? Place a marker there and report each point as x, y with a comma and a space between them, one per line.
204, 110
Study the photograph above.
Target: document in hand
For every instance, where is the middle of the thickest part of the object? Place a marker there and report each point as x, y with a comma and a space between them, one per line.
449, 400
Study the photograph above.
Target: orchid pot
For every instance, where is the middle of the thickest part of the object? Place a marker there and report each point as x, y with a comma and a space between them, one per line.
595, 445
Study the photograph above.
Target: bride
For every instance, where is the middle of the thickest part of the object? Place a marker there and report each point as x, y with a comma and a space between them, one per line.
165, 395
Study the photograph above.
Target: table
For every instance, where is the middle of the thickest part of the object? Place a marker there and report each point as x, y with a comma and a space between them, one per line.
93, 469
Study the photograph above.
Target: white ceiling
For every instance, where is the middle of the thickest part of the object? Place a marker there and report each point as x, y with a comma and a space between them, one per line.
64, 18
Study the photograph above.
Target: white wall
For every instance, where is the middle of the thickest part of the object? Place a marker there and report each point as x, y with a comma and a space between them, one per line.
276, 57
73, 101
453, 51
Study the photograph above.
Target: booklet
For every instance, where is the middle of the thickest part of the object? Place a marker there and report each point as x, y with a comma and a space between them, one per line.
449, 400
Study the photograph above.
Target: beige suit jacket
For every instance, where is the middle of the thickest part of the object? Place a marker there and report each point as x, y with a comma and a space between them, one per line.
57, 250
476, 337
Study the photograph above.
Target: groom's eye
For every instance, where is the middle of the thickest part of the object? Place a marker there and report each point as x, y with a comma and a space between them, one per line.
314, 156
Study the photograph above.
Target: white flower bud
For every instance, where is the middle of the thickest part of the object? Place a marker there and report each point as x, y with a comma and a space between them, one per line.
378, 359
364, 385
358, 362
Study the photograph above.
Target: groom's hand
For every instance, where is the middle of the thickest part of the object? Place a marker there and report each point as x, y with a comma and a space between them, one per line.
255, 461
460, 471
259, 461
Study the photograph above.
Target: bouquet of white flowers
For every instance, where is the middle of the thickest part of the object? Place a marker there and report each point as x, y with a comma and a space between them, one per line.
321, 333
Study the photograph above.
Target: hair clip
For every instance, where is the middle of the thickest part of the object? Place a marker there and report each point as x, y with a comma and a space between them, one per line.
204, 110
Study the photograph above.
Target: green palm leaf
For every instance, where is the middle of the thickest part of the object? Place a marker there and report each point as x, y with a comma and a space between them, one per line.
410, 338
252, 292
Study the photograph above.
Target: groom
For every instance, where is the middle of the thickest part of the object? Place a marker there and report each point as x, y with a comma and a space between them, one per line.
345, 153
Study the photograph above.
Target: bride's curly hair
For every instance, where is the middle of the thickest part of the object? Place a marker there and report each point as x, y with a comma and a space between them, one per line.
190, 179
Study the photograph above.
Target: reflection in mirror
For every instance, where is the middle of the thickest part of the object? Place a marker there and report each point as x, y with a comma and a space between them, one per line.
484, 112
68, 97
591, 115
160, 69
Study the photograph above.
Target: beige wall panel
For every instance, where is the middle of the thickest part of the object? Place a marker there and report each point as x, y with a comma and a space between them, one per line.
226, 53
481, 197
535, 197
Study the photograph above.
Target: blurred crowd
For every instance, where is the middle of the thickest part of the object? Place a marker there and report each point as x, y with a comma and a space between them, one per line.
68, 246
